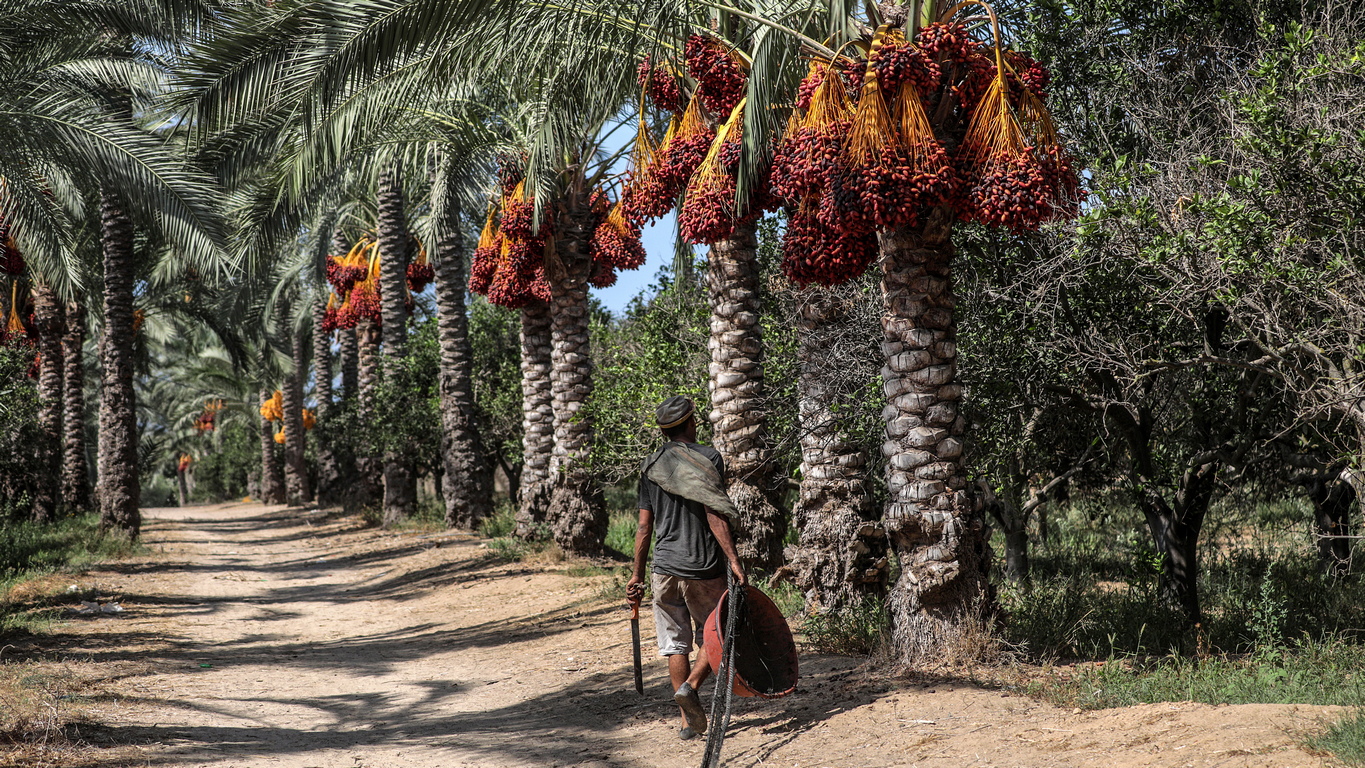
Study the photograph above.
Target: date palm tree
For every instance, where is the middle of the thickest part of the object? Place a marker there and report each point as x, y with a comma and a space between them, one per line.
72, 151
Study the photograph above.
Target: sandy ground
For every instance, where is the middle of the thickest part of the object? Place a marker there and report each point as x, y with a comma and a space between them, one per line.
261, 636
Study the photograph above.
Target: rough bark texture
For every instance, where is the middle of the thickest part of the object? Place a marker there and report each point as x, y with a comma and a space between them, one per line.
538, 421
578, 508
738, 418
182, 486
120, 491
75, 473
400, 492
840, 559
348, 357
329, 468
272, 465
1175, 531
933, 525
367, 488
468, 483
1334, 499
295, 464
48, 316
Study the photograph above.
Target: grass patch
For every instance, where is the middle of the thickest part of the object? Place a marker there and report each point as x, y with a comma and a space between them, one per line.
36, 560
500, 529
1309, 672
1095, 589
45, 714
621, 532
786, 595
502, 523
856, 630
1344, 740
1323, 673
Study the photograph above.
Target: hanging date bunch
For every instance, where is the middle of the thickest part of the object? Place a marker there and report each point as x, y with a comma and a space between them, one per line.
207, 420
648, 192
813, 252
876, 157
708, 213
652, 194
484, 261
811, 146
893, 166
660, 84
16, 332
343, 272
1020, 175
420, 271
615, 244
508, 264
329, 315
273, 408
719, 72
361, 302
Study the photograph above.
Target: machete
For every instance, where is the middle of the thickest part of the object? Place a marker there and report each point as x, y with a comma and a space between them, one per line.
635, 643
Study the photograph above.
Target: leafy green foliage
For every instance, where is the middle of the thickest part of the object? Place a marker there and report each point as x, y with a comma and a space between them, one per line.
656, 351
221, 473
1095, 589
495, 337
407, 416
18, 432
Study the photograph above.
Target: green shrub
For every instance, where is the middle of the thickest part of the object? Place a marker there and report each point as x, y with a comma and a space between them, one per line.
501, 523
856, 630
621, 532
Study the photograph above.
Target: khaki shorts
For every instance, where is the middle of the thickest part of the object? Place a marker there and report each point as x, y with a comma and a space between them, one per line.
679, 605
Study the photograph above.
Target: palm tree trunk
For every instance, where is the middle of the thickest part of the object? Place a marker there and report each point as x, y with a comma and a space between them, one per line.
47, 315
272, 468
75, 472
738, 415
182, 486
841, 556
367, 488
400, 493
348, 357
578, 509
348, 487
538, 421
295, 463
934, 526
119, 485
468, 484
329, 469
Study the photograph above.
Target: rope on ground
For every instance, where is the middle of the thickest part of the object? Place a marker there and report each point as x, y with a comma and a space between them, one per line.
725, 677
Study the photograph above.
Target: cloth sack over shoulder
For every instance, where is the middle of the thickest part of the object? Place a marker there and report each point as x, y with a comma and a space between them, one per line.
684, 472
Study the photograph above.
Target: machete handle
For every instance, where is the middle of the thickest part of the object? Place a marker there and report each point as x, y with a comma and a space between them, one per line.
634, 605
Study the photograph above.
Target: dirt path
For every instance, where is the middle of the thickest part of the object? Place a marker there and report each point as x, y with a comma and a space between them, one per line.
260, 636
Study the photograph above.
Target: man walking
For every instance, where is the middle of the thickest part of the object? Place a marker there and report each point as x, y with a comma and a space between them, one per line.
682, 500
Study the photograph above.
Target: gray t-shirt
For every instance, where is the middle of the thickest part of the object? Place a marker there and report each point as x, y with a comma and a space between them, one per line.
683, 543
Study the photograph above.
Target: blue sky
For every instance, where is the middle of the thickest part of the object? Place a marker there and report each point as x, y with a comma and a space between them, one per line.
658, 240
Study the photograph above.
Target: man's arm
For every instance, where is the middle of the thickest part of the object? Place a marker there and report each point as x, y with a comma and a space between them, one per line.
644, 529
720, 528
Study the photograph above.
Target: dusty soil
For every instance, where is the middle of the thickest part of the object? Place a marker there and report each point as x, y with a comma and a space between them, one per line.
261, 636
